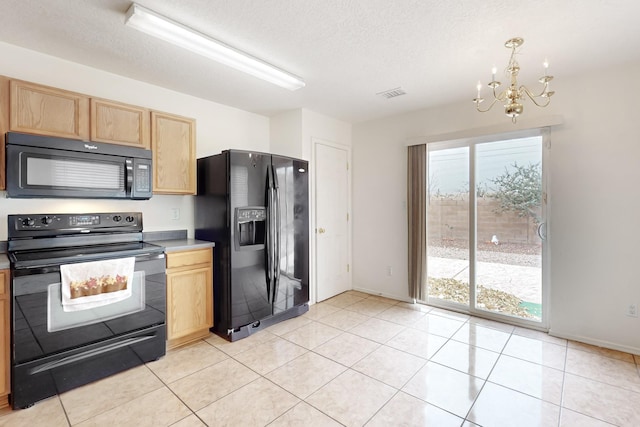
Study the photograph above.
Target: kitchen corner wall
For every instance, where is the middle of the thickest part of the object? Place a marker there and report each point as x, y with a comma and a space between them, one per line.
218, 127
293, 134
594, 221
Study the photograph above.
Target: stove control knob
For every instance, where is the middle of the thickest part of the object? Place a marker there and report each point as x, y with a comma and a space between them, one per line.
46, 220
28, 222
117, 218
130, 219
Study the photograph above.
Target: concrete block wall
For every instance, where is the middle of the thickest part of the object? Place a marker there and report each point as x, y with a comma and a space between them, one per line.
449, 220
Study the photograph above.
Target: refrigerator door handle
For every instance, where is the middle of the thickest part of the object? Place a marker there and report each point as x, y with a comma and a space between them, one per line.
274, 245
269, 237
277, 230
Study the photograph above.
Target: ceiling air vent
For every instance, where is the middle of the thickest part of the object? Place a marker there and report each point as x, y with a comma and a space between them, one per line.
392, 93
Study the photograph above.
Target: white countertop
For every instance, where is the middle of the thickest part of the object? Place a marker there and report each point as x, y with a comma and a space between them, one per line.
182, 244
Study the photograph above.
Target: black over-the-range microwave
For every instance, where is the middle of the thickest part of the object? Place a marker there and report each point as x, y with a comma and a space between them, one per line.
42, 166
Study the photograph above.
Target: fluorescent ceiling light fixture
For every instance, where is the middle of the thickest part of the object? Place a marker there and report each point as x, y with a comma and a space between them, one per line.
148, 21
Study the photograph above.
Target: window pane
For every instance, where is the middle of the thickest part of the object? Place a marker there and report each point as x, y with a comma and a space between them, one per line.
448, 225
509, 250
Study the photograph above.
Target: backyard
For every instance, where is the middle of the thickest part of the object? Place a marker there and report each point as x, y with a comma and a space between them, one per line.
506, 212
509, 275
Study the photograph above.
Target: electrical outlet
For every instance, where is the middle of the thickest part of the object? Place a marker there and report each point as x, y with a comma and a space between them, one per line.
389, 271
175, 214
632, 310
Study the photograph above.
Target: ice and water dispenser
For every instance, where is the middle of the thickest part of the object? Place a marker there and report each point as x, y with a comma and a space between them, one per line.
250, 229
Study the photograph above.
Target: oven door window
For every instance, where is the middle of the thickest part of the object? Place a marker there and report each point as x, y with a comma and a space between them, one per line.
59, 320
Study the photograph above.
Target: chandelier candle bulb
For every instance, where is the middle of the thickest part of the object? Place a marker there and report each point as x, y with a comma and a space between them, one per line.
479, 86
493, 73
545, 64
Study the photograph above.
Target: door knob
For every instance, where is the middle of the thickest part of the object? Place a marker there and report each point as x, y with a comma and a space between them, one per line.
321, 230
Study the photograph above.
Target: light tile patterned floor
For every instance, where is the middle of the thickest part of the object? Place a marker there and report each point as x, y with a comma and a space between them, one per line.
357, 360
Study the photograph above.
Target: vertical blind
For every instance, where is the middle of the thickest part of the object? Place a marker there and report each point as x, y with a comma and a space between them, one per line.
417, 220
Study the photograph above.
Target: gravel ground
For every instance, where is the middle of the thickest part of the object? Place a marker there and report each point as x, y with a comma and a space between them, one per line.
491, 299
504, 253
488, 299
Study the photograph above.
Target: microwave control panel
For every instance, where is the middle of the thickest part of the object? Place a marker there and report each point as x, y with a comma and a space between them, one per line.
143, 177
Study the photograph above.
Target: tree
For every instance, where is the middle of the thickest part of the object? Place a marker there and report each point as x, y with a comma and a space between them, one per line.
519, 190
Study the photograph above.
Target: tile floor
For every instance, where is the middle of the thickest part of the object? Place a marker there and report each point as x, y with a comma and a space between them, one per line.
356, 360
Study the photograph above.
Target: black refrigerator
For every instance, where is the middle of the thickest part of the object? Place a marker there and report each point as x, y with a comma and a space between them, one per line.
255, 207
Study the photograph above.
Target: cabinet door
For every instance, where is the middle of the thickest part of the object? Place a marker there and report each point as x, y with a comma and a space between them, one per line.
45, 110
174, 154
5, 333
117, 123
4, 124
189, 301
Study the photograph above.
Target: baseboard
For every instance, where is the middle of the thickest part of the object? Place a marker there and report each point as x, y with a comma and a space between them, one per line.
381, 294
600, 343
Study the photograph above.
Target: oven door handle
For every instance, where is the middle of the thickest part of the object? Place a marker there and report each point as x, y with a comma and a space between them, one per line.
149, 257
87, 354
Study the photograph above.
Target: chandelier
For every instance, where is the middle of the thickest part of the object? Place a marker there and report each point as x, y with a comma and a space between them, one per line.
513, 96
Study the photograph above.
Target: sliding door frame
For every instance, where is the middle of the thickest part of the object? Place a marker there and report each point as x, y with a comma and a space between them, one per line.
471, 143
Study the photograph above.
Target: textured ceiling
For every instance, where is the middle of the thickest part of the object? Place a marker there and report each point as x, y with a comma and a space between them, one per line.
346, 51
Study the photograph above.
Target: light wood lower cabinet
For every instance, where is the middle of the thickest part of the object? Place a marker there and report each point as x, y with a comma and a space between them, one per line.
189, 295
5, 333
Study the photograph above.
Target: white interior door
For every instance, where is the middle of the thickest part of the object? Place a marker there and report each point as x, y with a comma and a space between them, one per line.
332, 220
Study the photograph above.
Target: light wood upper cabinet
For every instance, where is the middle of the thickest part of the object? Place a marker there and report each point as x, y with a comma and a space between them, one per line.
117, 123
4, 125
189, 295
173, 142
49, 111
5, 333
42, 110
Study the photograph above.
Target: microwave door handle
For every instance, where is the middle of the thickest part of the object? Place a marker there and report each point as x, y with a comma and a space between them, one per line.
128, 176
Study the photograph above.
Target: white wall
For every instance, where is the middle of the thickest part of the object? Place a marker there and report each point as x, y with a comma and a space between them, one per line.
286, 133
218, 127
319, 126
594, 222
293, 132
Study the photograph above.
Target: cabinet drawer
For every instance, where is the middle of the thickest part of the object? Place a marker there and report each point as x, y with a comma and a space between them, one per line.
184, 258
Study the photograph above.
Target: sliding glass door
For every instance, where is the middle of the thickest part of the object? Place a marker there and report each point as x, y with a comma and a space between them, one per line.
448, 224
486, 246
